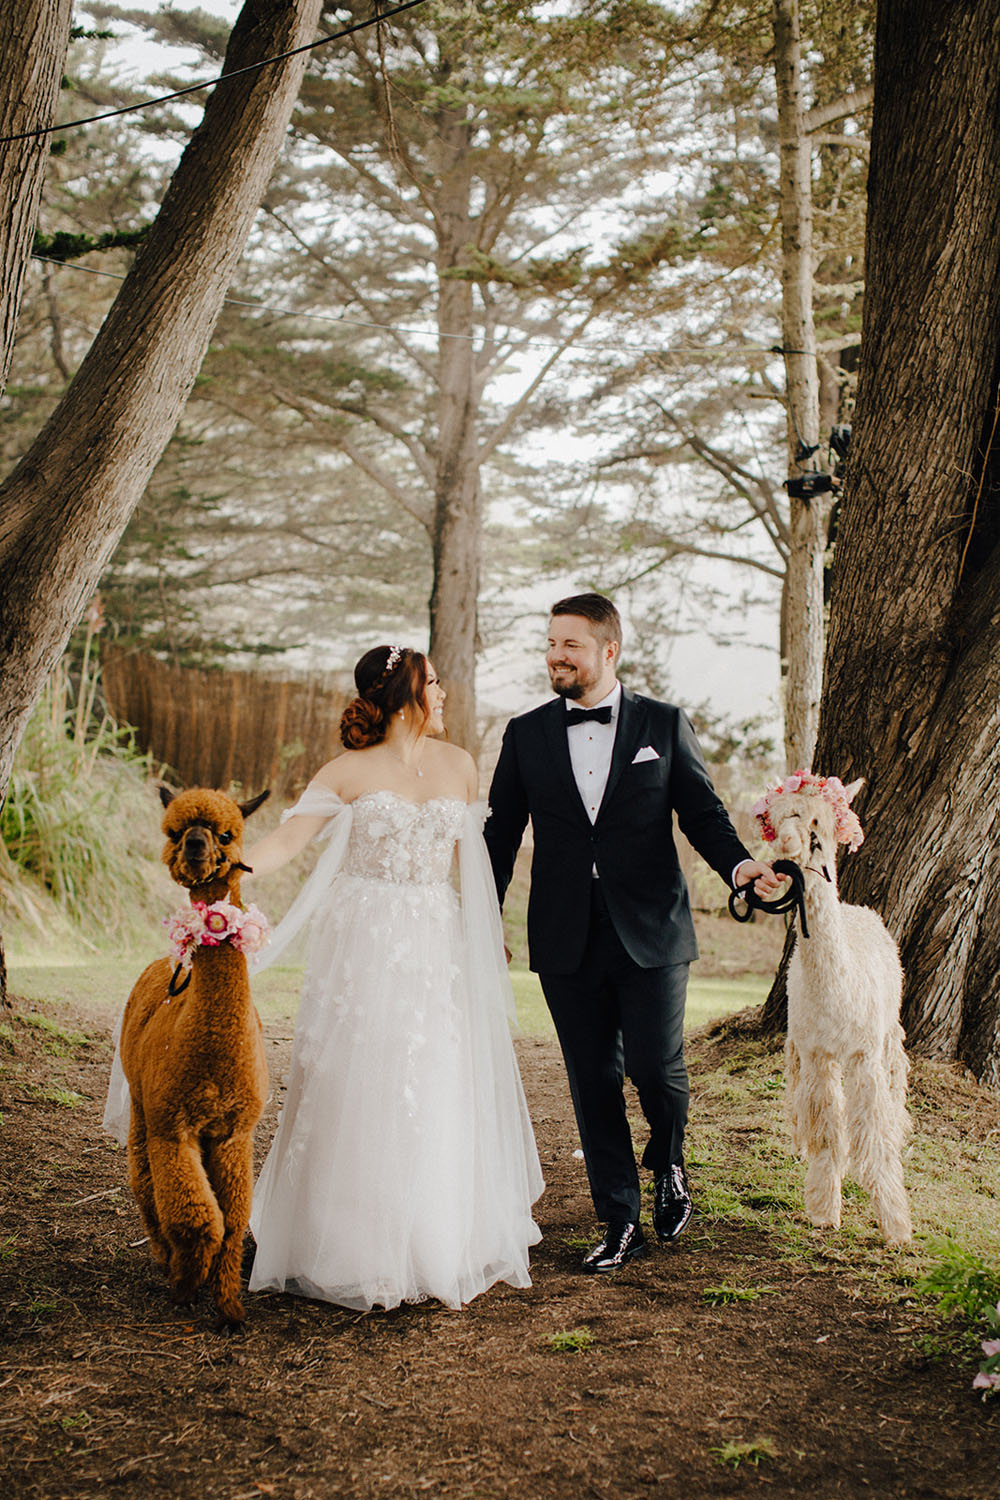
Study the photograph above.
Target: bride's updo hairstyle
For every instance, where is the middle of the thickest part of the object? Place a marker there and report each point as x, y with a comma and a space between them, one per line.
388, 679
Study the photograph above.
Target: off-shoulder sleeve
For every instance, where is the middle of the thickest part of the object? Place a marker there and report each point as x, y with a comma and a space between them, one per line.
488, 977
315, 802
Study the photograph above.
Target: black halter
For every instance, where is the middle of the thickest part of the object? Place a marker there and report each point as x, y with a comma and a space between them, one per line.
792, 899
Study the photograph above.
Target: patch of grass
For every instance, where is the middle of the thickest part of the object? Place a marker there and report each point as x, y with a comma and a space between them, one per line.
8, 1041
59, 1041
8, 1248
733, 1453
571, 1340
76, 1423
960, 1281
707, 1000
721, 1296
68, 1098
38, 1308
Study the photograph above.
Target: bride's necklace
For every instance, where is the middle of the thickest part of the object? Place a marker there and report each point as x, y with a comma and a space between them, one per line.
402, 762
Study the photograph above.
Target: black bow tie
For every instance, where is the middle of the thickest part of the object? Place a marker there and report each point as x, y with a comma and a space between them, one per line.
585, 715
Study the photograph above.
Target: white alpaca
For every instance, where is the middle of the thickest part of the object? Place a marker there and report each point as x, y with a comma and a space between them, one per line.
845, 1067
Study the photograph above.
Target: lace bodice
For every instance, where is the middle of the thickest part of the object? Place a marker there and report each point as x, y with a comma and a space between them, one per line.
404, 842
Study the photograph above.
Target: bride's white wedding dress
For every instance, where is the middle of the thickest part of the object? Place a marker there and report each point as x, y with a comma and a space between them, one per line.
404, 1164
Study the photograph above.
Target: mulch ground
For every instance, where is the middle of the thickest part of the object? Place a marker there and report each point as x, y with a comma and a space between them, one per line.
104, 1386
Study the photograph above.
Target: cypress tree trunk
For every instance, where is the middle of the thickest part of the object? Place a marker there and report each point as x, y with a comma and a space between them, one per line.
802, 593
33, 38
912, 693
457, 524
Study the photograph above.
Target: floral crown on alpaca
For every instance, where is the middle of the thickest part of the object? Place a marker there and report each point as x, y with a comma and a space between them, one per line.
831, 789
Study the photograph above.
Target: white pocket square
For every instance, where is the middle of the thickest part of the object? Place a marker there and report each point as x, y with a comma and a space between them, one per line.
646, 753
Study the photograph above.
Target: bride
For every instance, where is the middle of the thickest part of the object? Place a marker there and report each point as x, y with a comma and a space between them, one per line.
404, 1165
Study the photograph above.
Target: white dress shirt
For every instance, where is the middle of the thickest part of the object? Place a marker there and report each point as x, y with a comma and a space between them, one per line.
590, 748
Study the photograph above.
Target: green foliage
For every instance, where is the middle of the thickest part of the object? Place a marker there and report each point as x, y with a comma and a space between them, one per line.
961, 1282
60, 1042
78, 794
733, 1453
988, 1379
571, 1340
722, 1296
67, 1098
65, 246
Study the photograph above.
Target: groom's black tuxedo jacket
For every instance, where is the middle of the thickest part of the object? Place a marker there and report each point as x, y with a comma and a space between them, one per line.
631, 843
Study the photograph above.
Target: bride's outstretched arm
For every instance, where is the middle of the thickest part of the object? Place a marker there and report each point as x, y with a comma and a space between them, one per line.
313, 811
278, 847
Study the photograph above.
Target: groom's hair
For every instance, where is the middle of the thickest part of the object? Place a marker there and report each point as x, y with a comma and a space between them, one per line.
601, 613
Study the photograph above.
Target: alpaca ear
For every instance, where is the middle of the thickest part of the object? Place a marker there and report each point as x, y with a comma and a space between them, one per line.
851, 791
246, 808
166, 795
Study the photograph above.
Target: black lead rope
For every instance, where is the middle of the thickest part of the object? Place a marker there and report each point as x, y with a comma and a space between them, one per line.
791, 900
173, 988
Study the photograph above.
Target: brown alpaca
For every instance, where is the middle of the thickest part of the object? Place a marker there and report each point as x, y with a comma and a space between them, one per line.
197, 1072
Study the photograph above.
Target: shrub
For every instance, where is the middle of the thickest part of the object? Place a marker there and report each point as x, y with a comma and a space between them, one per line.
80, 822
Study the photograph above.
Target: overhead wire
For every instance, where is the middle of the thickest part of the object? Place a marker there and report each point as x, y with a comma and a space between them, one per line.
375, 20
207, 83
615, 345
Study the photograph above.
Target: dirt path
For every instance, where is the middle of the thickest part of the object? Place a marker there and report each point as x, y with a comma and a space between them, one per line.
105, 1386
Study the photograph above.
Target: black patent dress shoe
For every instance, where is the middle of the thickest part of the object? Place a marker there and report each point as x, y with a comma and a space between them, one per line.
672, 1206
621, 1243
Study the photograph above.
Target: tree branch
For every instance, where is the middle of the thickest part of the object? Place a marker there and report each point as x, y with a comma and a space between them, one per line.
839, 109
502, 432
354, 294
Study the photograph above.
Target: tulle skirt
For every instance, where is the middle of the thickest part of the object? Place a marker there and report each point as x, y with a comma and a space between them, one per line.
404, 1165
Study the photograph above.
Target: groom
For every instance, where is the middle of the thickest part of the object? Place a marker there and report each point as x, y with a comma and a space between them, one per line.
600, 771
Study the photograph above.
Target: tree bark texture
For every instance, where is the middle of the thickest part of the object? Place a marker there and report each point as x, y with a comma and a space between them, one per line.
912, 692
34, 35
457, 521
802, 603
65, 505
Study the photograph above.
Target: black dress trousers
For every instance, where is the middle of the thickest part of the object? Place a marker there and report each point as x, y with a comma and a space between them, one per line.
614, 1019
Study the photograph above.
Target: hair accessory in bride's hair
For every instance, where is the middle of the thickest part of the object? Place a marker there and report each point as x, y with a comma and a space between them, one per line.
392, 660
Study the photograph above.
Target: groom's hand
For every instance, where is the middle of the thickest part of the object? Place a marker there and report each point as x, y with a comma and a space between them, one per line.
765, 882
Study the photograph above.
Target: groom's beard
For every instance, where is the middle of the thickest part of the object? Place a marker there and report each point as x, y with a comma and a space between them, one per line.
574, 685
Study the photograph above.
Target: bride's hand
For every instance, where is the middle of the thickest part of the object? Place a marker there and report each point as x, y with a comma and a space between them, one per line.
507, 954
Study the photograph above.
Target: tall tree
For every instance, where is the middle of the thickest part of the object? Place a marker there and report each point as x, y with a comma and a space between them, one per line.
911, 699
33, 39
466, 157
68, 500
772, 234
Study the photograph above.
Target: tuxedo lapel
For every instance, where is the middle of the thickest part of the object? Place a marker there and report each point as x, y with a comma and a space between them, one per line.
631, 719
557, 746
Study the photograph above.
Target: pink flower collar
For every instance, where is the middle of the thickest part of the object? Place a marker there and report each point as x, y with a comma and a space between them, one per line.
832, 791
202, 926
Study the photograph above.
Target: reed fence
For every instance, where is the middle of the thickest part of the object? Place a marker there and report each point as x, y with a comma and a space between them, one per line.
224, 728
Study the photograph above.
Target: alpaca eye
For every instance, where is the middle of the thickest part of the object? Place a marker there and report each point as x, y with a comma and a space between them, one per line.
175, 838
225, 838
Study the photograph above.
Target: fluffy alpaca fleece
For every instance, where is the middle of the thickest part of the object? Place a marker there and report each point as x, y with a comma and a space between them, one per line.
197, 1073
845, 1066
